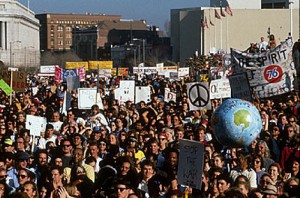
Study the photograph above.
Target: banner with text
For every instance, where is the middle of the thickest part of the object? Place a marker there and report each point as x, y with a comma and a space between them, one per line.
220, 89
270, 73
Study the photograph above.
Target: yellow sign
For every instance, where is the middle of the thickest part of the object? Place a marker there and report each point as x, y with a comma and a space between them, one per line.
93, 65
113, 71
123, 71
75, 65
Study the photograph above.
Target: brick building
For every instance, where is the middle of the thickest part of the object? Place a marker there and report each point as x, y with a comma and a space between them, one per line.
56, 29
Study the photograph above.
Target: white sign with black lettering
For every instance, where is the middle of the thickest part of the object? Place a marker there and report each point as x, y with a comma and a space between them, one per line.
220, 89
87, 97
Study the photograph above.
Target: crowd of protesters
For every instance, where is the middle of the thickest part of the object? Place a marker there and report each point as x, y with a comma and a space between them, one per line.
132, 150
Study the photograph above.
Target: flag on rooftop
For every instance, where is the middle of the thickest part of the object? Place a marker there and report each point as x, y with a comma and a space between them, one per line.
217, 15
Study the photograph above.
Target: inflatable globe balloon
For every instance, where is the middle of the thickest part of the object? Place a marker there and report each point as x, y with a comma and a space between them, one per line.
236, 123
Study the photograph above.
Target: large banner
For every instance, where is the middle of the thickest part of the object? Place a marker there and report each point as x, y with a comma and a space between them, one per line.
61, 75
270, 73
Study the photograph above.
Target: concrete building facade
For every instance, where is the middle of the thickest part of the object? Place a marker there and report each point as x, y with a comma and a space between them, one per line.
19, 35
237, 31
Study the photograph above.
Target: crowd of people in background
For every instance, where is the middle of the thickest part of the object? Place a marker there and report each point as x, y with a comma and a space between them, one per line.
132, 150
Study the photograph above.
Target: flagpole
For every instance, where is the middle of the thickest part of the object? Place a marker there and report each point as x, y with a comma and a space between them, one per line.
221, 37
215, 34
209, 32
226, 34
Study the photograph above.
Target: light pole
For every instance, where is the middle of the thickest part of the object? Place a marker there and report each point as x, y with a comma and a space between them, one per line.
11, 67
291, 18
143, 42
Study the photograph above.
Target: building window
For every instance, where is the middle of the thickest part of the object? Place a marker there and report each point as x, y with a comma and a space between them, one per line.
52, 34
52, 43
60, 35
52, 28
68, 28
59, 28
52, 21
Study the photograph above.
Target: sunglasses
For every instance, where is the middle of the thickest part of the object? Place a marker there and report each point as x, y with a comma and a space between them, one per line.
121, 189
256, 161
66, 145
22, 176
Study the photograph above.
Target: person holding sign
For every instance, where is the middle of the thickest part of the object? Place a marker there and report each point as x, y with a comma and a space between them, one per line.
96, 118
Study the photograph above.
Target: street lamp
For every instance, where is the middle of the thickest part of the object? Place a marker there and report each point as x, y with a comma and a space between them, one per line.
143, 42
11, 67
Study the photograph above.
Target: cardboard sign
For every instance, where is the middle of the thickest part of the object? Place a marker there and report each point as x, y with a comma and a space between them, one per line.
191, 163
18, 82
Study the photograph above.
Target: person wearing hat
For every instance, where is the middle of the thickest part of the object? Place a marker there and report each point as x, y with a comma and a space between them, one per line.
102, 148
8, 146
270, 191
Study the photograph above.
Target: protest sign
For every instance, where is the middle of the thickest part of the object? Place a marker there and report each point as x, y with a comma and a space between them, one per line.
269, 73
220, 89
240, 86
125, 92
191, 163
183, 72
87, 97
198, 96
142, 93
18, 80
5, 87
105, 73
169, 96
36, 124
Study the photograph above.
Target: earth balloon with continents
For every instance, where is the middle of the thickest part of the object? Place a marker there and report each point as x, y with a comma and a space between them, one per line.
236, 123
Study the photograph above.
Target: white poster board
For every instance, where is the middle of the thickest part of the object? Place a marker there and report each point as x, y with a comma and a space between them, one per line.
169, 96
142, 93
183, 72
220, 89
125, 92
36, 124
191, 163
198, 96
87, 97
